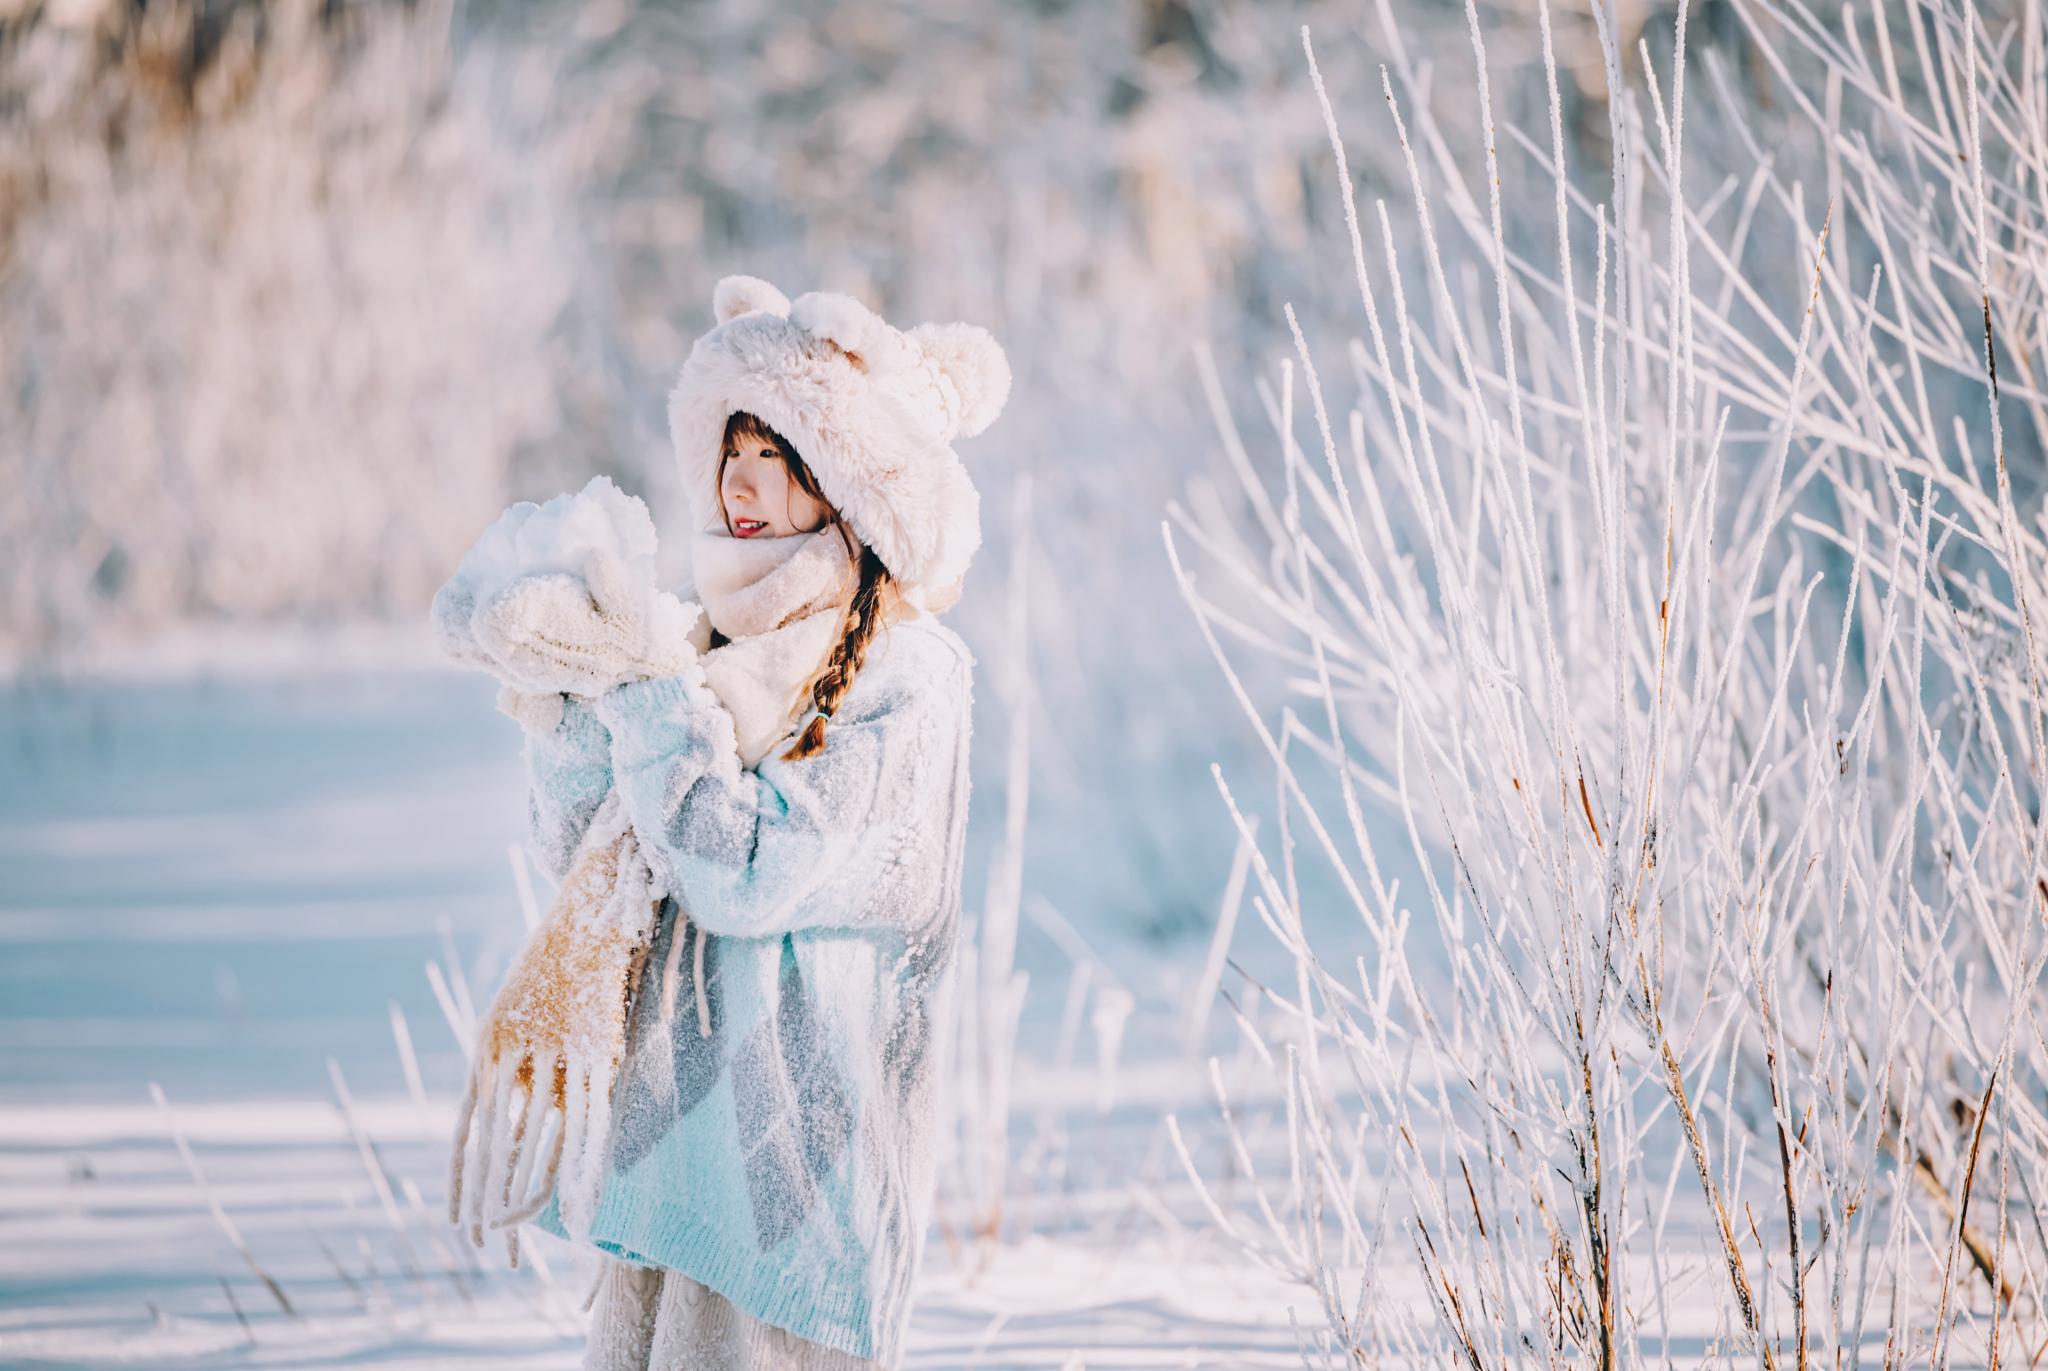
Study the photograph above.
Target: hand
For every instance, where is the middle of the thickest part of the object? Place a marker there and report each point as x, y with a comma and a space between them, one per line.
551, 1043
554, 632
486, 562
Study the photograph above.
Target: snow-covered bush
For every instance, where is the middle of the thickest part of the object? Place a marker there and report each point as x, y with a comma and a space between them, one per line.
1660, 577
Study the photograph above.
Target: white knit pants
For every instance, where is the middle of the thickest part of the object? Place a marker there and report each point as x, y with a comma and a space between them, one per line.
649, 1319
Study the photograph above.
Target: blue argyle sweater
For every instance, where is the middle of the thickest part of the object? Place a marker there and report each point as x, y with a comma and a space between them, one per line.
785, 1161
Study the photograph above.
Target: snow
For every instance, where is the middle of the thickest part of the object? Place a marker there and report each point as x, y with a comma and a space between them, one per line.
220, 882
217, 881
531, 538
563, 596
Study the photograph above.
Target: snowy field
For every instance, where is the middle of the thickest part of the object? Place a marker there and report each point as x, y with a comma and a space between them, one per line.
231, 888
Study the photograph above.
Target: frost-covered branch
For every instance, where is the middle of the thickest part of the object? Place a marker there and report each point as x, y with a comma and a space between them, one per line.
1677, 636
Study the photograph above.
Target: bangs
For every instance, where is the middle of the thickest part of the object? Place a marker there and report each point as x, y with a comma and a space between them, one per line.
744, 425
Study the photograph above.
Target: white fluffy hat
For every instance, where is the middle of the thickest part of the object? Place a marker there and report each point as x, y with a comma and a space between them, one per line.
871, 409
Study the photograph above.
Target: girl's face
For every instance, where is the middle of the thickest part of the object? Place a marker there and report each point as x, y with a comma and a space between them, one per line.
761, 501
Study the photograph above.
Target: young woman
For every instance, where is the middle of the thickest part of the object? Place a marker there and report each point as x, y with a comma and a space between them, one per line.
799, 797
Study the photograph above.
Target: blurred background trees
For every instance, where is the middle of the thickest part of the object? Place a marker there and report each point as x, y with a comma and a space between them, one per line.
294, 296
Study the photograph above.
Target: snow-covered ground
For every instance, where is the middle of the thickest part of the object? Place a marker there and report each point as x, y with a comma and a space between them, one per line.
230, 887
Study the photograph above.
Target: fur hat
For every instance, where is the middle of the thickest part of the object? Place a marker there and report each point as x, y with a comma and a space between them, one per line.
871, 409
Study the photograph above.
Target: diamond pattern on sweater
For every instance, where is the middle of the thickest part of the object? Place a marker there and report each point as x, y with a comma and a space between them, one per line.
646, 1093
792, 1104
795, 1117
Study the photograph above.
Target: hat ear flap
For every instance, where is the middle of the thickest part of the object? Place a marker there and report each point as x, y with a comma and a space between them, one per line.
872, 343
974, 362
737, 295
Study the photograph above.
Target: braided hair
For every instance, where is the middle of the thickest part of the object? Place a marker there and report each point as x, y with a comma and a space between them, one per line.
864, 618
874, 601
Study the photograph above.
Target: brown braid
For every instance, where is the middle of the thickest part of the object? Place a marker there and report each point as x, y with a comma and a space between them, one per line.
865, 613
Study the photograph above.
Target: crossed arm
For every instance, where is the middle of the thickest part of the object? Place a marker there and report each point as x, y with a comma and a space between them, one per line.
752, 853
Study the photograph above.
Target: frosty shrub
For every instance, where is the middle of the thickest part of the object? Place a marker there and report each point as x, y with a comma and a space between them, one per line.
277, 284
1670, 596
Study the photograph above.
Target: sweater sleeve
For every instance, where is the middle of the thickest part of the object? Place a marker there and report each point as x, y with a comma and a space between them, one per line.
821, 842
568, 773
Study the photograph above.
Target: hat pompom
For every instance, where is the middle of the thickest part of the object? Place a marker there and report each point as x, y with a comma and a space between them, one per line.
737, 295
874, 344
974, 362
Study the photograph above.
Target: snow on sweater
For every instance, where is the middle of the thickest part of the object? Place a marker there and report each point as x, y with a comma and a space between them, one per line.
787, 1160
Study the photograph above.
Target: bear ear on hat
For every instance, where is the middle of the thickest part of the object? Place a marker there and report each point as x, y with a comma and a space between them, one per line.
737, 295
869, 341
974, 362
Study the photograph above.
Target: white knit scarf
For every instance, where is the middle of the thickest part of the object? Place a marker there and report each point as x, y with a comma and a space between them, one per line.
782, 603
